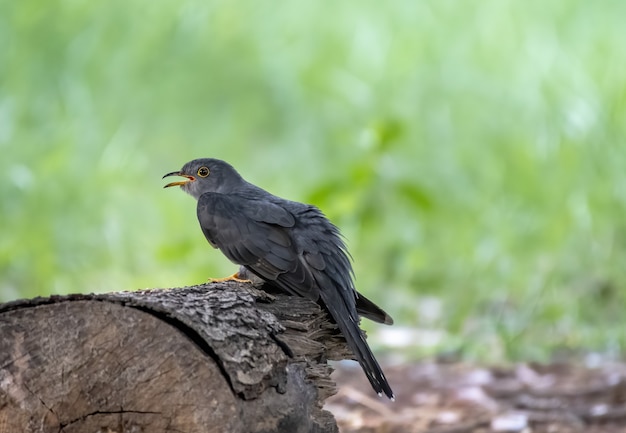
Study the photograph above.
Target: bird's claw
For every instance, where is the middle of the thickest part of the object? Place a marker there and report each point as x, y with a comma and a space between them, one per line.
233, 277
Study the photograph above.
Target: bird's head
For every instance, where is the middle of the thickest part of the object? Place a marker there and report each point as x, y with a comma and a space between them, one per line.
206, 175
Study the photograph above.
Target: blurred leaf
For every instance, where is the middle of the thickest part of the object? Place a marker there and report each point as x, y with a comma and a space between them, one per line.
386, 133
417, 196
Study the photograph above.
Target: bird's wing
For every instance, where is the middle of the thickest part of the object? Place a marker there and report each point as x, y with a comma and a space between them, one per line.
258, 235
367, 308
329, 262
303, 255
324, 254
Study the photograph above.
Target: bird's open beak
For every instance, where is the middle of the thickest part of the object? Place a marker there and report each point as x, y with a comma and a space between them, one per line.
180, 182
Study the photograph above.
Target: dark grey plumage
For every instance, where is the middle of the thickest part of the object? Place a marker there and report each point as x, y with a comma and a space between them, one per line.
290, 245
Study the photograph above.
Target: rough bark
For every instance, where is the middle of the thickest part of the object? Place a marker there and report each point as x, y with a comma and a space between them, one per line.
221, 357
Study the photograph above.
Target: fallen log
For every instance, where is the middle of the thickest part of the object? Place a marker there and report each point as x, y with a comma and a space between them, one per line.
221, 357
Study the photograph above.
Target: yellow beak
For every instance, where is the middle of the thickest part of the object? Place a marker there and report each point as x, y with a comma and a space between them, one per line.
180, 182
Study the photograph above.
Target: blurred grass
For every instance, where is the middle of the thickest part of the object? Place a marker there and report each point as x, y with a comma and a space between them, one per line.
472, 152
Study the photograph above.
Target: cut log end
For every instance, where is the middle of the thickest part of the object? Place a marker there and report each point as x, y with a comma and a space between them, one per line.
212, 358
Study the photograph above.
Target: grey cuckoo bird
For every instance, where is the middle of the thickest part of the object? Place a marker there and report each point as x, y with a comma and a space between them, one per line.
291, 246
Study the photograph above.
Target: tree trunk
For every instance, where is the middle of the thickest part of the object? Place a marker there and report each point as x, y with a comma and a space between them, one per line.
222, 357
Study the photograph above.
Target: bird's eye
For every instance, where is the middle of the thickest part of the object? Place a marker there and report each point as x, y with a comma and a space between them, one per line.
203, 172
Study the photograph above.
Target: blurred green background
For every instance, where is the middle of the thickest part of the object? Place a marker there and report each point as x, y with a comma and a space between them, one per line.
472, 153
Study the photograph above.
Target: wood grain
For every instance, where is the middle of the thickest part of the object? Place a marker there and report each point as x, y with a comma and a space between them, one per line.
221, 357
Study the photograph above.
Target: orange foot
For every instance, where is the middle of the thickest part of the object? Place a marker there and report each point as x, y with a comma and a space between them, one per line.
233, 277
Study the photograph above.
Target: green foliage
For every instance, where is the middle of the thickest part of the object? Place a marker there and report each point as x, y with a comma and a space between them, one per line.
472, 152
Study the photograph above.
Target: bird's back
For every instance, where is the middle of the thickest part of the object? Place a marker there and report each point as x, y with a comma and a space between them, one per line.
294, 247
